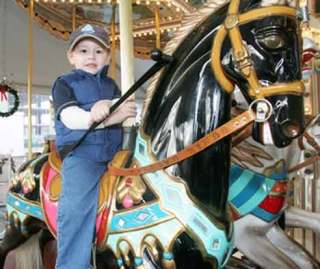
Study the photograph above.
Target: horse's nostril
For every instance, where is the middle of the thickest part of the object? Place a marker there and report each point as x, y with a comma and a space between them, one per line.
291, 129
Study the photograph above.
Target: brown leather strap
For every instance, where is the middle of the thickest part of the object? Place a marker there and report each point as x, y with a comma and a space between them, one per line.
221, 132
304, 164
309, 120
312, 141
242, 135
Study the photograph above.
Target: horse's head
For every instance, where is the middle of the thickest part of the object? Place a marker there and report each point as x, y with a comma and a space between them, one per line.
264, 62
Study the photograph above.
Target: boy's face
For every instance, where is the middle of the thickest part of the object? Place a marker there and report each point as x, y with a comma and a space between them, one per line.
88, 55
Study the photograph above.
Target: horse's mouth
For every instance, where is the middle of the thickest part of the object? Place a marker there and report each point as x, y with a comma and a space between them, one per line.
291, 129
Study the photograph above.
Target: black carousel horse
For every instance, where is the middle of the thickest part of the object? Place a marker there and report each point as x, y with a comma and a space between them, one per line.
178, 217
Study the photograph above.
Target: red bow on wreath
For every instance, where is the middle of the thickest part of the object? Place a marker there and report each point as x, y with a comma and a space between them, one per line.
3, 91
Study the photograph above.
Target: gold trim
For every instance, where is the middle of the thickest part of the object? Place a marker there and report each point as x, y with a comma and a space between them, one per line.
55, 161
231, 21
241, 54
55, 188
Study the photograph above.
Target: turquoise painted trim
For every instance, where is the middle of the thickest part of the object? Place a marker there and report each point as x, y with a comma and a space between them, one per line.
20, 215
258, 197
279, 176
138, 261
167, 256
119, 262
240, 184
175, 199
26, 208
134, 219
266, 216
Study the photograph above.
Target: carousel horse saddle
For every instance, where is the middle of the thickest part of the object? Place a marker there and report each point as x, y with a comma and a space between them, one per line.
128, 190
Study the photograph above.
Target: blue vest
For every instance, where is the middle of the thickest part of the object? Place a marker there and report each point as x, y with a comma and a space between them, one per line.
101, 144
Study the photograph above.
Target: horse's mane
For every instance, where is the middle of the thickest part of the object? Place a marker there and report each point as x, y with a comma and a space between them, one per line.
188, 23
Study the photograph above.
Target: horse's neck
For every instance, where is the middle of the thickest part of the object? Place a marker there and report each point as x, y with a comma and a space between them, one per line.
190, 114
191, 108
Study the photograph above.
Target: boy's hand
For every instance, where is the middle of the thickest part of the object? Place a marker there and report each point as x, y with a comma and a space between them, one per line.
126, 110
100, 110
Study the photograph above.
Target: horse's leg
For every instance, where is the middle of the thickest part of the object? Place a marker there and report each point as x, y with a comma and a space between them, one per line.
28, 255
292, 249
297, 217
250, 238
13, 237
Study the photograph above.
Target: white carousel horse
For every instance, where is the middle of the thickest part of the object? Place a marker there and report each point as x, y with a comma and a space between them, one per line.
297, 217
257, 234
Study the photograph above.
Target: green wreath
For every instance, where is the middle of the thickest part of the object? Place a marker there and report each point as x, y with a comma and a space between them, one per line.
4, 88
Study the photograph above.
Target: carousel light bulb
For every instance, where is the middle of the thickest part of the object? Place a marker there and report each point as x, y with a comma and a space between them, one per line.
158, 3
138, 2
178, 9
147, 2
99, 1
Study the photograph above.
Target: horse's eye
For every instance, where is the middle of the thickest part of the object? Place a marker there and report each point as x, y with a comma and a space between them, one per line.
274, 41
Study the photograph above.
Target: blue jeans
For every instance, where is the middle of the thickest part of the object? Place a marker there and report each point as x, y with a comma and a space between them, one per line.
77, 211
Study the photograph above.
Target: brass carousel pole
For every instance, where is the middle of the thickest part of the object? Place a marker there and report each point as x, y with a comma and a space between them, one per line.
74, 13
30, 80
126, 49
113, 41
127, 63
158, 33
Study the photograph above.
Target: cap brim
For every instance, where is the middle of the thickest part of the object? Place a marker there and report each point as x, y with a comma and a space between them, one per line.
72, 45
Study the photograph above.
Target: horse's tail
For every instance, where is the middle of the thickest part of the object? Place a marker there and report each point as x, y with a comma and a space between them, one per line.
28, 255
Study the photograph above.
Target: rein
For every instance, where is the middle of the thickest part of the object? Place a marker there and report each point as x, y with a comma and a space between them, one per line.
216, 135
311, 160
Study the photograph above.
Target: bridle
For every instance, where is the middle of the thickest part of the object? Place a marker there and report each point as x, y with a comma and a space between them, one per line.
244, 63
241, 55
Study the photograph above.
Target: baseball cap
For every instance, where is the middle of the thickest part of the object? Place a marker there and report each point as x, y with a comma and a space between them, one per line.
89, 30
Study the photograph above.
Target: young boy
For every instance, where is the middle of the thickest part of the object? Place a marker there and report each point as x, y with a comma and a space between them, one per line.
80, 98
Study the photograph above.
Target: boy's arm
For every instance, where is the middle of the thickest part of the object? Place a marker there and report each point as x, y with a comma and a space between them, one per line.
62, 96
76, 118
125, 110
67, 109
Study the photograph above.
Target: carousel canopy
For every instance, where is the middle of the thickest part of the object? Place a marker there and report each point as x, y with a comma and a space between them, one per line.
56, 17
53, 22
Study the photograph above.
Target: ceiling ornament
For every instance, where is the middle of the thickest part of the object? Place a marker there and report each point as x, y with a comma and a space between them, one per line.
58, 17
